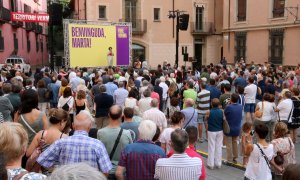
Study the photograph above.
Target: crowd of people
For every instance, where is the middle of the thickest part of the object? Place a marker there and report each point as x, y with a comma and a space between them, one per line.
129, 123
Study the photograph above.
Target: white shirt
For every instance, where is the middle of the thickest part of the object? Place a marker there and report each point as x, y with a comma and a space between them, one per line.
165, 137
213, 75
158, 117
285, 109
257, 168
130, 102
178, 166
165, 88
268, 111
62, 101
250, 93
144, 104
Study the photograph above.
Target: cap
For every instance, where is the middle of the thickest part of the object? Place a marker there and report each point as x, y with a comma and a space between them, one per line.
204, 79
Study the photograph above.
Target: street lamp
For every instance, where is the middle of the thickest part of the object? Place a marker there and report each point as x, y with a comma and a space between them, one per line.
172, 15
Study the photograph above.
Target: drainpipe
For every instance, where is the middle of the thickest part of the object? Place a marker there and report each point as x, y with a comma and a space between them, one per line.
85, 11
229, 4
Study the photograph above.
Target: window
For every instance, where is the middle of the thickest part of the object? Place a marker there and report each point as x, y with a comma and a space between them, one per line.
37, 43
1, 41
276, 46
28, 43
130, 12
13, 5
102, 12
240, 45
278, 8
199, 18
241, 10
156, 14
16, 45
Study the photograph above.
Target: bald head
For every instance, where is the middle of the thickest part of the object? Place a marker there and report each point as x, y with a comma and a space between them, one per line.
154, 103
83, 121
115, 112
189, 102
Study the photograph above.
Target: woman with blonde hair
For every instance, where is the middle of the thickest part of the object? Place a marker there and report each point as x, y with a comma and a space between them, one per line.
283, 145
64, 84
59, 120
13, 144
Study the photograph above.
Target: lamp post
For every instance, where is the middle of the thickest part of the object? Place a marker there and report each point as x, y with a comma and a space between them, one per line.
172, 15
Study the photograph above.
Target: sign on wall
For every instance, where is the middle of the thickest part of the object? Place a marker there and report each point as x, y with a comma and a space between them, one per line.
93, 45
29, 17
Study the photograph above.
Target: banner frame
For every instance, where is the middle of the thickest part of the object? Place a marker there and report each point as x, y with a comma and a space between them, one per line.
66, 23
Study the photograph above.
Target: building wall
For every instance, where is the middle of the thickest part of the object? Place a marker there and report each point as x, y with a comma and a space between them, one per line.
259, 22
33, 57
158, 39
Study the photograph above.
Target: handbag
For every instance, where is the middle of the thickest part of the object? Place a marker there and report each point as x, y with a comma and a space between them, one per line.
279, 158
32, 165
226, 127
259, 113
66, 106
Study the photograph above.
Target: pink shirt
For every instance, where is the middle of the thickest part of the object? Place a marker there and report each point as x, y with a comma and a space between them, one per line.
155, 95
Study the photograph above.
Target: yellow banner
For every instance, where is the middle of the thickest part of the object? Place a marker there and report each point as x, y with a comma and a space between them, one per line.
92, 45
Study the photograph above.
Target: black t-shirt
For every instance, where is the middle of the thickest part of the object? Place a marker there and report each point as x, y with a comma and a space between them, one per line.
103, 103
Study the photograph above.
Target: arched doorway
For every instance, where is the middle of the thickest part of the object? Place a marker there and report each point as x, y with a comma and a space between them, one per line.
138, 52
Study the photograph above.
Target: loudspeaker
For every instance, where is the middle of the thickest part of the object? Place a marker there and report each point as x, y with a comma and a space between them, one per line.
58, 61
56, 14
184, 22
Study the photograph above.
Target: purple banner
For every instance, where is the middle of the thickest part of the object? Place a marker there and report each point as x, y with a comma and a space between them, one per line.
122, 34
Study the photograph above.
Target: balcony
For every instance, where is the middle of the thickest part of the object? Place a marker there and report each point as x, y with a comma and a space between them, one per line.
17, 24
38, 29
29, 26
204, 28
4, 15
139, 26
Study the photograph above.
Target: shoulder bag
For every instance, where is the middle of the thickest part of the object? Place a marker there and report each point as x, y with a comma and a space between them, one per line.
226, 127
189, 120
111, 155
32, 165
279, 158
66, 106
28, 126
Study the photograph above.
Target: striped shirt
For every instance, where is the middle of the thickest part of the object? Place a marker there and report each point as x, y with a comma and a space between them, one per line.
203, 101
178, 167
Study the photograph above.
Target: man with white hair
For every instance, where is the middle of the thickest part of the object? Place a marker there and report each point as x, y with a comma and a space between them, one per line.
165, 88
190, 113
77, 148
155, 115
76, 81
141, 155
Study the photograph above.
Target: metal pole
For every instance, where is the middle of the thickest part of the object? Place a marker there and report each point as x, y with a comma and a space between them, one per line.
177, 38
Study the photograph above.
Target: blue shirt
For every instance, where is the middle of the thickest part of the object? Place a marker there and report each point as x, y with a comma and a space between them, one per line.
55, 89
110, 88
214, 92
140, 158
75, 149
233, 114
240, 81
190, 117
133, 126
215, 120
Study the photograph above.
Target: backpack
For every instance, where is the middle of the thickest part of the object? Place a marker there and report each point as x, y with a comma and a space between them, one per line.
49, 93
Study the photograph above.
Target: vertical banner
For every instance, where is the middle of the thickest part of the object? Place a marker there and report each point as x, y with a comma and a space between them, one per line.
98, 45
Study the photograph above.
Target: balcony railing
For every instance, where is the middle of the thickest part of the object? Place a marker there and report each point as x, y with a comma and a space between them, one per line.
4, 15
17, 24
139, 26
202, 28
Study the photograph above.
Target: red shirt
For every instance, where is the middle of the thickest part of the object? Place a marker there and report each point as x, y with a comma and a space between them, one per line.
155, 95
190, 151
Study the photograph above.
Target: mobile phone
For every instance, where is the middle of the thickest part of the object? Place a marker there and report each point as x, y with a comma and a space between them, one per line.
252, 132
